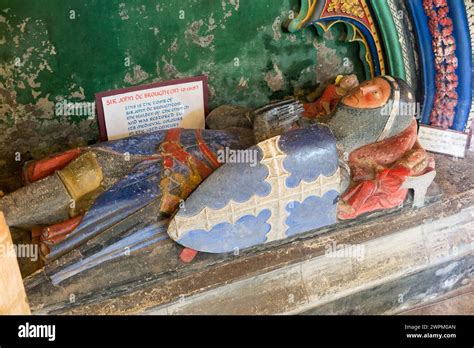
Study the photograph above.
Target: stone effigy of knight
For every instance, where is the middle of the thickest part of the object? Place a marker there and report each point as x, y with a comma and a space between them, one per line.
255, 177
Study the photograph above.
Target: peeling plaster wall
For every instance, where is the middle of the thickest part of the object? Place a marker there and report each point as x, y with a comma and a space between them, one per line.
55, 51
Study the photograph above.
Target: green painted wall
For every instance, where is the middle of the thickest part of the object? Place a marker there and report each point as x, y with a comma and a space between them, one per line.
54, 50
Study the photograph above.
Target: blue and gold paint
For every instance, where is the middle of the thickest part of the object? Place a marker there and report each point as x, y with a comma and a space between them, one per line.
293, 189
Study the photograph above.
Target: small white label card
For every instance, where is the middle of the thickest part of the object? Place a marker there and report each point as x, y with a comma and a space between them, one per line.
443, 141
149, 108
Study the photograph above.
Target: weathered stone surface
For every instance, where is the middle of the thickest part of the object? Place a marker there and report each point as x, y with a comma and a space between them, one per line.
327, 278
228, 116
400, 294
23, 207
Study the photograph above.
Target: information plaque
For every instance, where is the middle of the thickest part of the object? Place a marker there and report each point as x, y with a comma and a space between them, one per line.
149, 108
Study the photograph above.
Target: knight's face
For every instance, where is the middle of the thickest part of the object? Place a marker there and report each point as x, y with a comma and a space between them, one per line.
369, 94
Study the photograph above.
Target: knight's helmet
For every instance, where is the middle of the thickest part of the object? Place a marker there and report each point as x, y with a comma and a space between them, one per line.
356, 126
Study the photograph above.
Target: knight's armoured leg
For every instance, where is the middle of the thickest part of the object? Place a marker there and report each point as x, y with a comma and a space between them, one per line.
41, 203
67, 192
119, 242
56, 197
37, 170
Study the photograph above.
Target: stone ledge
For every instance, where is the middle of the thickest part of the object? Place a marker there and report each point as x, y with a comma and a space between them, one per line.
320, 280
296, 276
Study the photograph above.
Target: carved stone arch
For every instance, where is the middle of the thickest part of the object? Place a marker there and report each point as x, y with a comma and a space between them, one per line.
397, 39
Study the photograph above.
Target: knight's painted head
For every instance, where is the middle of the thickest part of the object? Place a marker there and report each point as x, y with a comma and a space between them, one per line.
369, 94
374, 110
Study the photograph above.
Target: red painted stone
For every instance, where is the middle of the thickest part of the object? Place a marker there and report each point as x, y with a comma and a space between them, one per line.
187, 255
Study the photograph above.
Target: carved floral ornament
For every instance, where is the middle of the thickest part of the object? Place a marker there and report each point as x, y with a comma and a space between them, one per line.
349, 7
